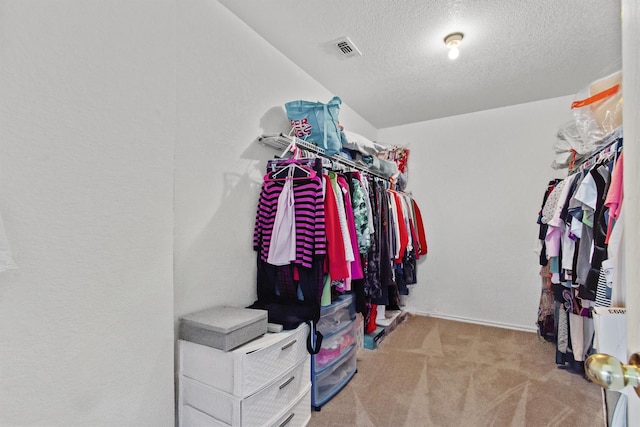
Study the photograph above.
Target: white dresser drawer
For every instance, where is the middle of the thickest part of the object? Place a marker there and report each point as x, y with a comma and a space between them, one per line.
255, 410
247, 369
191, 417
299, 414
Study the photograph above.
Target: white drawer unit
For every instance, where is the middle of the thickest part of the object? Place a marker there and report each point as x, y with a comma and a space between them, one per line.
335, 364
297, 414
190, 416
246, 369
257, 384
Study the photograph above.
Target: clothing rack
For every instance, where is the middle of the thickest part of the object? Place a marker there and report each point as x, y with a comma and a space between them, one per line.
612, 143
285, 141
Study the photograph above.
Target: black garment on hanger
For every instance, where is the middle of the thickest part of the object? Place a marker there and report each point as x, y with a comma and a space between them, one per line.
589, 290
385, 273
542, 231
278, 293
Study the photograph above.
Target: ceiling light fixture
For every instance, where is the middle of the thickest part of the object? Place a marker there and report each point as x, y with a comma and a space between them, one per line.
452, 41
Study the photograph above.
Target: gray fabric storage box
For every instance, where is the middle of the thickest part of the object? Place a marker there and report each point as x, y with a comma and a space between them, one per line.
224, 328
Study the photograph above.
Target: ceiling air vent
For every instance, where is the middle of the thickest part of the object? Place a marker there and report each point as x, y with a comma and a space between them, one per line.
347, 48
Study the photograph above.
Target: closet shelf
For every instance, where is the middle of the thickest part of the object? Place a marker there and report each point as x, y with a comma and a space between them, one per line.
283, 141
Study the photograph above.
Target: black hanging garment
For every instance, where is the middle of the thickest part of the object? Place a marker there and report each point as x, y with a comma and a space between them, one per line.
278, 293
602, 178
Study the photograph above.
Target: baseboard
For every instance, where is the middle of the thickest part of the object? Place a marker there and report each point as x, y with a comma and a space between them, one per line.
384, 327
475, 321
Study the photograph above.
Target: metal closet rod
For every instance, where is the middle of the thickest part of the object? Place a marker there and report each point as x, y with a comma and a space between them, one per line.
283, 141
613, 139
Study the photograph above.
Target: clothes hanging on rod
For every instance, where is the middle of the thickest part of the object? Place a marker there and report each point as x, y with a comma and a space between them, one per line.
342, 219
613, 142
578, 256
281, 140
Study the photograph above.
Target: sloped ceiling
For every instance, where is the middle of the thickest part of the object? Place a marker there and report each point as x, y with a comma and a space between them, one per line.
513, 51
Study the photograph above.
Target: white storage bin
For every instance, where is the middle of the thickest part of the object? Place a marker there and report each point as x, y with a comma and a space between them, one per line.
224, 328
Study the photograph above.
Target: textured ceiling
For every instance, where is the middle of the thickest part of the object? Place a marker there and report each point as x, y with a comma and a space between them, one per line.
514, 51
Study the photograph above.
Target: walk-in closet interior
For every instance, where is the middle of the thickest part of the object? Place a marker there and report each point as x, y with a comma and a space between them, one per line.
177, 249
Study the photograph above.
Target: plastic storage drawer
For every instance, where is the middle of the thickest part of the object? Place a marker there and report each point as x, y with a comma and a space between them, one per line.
191, 417
333, 316
328, 383
334, 346
247, 369
257, 409
299, 414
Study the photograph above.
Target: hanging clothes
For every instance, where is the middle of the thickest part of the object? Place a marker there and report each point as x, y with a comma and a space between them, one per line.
282, 246
379, 289
400, 227
422, 237
309, 218
615, 194
576, 226
360, 214
337, 265
323, 233
342, 216
356, 266
602, 177
373, 281
290, 292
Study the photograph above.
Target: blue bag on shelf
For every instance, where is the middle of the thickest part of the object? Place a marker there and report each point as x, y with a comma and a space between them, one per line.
316, 122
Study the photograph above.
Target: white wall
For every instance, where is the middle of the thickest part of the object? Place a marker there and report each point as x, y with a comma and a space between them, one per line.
87, 129
107, 109
96, 100
232, 87
479, 180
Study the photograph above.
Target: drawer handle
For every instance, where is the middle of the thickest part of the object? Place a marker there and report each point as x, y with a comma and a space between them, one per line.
286, 346
287, 382
285, 422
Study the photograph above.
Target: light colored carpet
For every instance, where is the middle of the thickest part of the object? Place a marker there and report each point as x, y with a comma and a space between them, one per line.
435, 372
